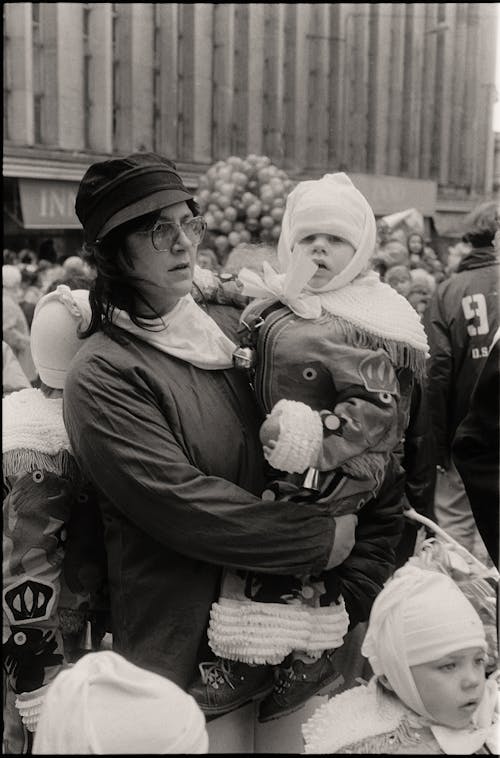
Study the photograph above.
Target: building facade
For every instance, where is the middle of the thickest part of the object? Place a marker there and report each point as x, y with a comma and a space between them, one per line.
399, 95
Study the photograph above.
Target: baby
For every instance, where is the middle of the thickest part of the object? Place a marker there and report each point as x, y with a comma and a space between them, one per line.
336, 355
427, 647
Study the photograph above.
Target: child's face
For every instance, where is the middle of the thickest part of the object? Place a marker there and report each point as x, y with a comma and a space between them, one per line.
400, 283
415, 244
452, 687
331, 254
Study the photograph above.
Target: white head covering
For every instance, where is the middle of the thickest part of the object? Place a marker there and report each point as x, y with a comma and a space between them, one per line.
331, 205
420, 616
105, 705
11, 276
54, 332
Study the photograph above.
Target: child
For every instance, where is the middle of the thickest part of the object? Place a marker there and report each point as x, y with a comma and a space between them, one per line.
427, 647
337, 355
399, 278
52, 557
105, 705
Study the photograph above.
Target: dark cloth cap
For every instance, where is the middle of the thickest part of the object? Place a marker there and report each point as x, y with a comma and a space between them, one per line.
119, 190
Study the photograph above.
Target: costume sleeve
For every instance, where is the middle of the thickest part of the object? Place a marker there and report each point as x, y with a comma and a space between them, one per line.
365, 415
124, 443
439, 378
35, 510
361, 576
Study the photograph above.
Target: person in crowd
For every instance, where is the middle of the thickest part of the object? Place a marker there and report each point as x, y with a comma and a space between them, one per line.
430, 693
10, 257
53, 555
168, 431
28, 257
47, 251
74, 265
399, 278
207, 259
15, 329
455, 255
331, 426
31, 291
420, 293
104, 705
13, 377
392, 253
463, 317
475, 450
415, 245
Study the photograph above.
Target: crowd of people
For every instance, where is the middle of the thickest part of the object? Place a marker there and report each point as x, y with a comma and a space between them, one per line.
207, 468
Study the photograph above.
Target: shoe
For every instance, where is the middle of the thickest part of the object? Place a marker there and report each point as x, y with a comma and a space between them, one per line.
225, 685
296, 683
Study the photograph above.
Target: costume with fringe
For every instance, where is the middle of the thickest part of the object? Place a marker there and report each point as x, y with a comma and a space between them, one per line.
345, 380
52, 556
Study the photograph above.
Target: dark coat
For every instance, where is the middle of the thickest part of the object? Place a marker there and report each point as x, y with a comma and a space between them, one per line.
463, 319
175, 451
476, 451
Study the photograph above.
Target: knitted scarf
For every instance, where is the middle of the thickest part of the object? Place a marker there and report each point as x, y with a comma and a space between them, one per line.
369, 312
186, 332
34, 436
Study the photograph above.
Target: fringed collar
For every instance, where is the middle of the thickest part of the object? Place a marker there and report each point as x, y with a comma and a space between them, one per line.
34, 436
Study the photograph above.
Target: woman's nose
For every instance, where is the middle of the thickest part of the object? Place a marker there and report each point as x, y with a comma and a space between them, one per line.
181, 241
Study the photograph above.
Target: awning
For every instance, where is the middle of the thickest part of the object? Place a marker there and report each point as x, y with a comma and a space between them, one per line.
48, 204
390, 194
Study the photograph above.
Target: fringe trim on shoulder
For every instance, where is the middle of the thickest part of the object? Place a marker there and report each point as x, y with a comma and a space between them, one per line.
401, 354
23, 460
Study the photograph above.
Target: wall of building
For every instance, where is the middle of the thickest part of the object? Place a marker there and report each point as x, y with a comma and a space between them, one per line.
393, 89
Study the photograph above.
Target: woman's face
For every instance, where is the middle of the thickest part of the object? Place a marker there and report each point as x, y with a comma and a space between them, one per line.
452, 687
163, 277
415, 244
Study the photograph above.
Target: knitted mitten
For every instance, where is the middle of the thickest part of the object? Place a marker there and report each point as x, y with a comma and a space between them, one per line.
299, 440
29, 705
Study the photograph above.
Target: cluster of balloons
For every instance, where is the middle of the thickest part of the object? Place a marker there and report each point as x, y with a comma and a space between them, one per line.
243, 200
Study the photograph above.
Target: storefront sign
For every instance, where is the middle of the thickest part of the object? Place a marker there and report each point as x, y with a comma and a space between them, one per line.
390, 194
48, 204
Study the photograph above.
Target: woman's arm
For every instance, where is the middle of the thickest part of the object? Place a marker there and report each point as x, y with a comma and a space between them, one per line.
123, 442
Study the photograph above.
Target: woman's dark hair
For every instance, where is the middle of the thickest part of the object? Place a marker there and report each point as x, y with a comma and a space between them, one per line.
482, 224
415, 234
112, 286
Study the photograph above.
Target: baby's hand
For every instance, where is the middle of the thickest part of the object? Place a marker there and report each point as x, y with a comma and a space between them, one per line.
270, 432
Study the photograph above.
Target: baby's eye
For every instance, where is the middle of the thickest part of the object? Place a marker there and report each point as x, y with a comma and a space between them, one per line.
447, 667
480, 660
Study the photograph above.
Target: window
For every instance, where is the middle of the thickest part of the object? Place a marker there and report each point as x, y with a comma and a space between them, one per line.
157, 78
38, 73
116, 72
87, 69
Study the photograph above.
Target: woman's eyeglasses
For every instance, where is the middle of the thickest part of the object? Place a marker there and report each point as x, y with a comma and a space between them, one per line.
165, 233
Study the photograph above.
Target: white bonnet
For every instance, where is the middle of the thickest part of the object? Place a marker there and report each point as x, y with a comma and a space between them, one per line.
331, 205
54, 332
106, 705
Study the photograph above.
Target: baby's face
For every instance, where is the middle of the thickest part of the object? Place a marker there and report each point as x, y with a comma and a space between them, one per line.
452, 687
330, 253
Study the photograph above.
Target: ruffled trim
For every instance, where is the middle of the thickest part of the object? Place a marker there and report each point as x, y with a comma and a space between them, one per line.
265, 633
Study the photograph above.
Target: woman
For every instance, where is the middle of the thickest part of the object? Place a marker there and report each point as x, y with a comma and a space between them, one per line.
168, 431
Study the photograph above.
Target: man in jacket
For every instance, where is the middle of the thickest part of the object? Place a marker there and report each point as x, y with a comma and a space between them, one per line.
463, 319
